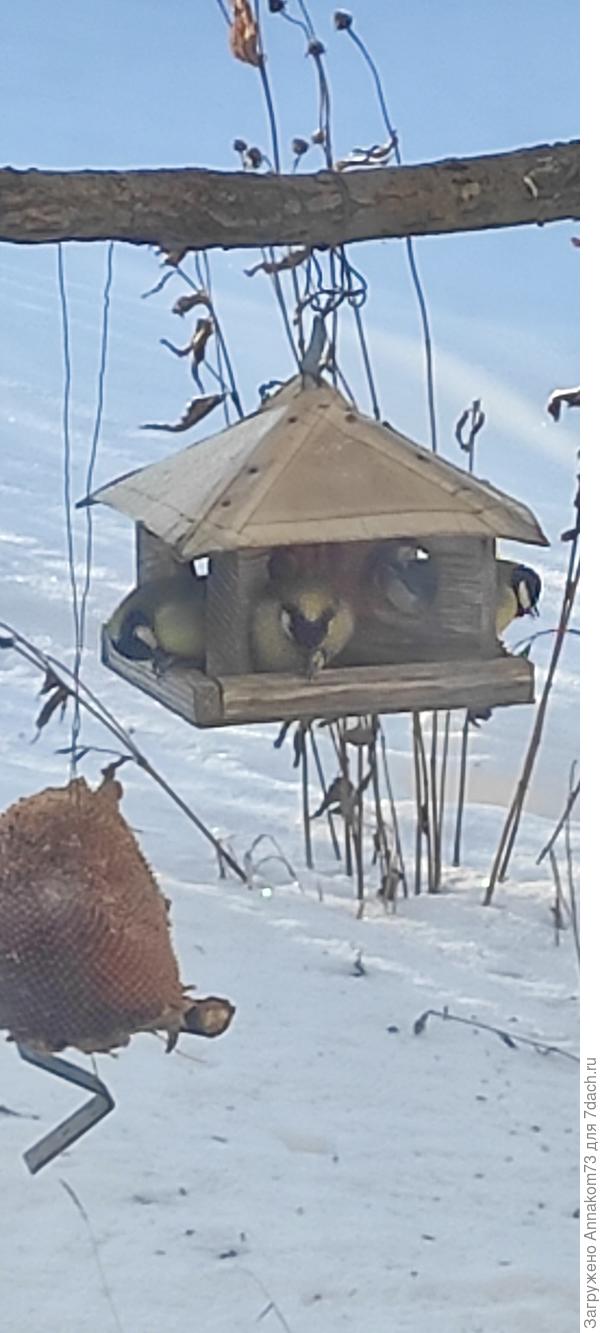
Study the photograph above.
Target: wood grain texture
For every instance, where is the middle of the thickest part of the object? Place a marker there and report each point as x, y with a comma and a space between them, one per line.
308, 468
337, 692
183, 690
195, 209
356, 690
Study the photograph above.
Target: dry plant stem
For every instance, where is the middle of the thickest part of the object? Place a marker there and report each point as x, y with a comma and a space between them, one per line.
443, 777
462, 787
434, 819
319, 767
97, 710
106, 1291
342, 757
382, 834
509, 1038
219, 335
305, 800
394, 812
571, 878
511, 826
357, 830
425, 810
564, 819
419, 805
558, 899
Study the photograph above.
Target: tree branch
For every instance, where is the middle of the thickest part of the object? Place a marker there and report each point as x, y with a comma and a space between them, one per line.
195, 209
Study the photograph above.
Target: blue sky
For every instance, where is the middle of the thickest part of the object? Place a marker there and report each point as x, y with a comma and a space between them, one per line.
151, 83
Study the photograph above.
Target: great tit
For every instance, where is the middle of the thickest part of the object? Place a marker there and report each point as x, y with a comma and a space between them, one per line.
403, 576
162, 622
300, 626
518, 591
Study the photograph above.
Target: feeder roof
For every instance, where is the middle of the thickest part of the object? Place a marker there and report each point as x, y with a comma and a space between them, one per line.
307, 467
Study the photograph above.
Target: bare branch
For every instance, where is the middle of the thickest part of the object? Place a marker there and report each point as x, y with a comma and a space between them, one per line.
191, 209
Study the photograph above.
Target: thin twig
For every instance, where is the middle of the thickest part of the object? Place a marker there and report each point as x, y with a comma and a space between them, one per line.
564, 819
321, 773
106, 1291
434, 814
443, 776
570, 875
513, 819
509, 1038
394, 812
558, 898
94, 706
305, 799
462, 787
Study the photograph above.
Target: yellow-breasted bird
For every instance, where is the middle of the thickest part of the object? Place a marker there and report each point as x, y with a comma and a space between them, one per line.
300, 625
162, 621
518, 591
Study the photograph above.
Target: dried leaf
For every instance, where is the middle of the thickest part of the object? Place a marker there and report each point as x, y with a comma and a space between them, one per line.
173, 258
108, 773
377, 155
359, 735
185, 303
195, 411
475, 716
420, 1023
243, 34
298, 746
271, 266
358, 967
162, 282
58, 699
203, 331
508, 1041
51, 681
562, 398
281, 735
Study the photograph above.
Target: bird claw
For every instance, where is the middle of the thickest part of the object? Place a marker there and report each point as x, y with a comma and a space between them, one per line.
161, 662
316, 663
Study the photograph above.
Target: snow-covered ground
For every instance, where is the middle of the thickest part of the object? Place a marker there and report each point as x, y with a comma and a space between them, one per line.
320, 1163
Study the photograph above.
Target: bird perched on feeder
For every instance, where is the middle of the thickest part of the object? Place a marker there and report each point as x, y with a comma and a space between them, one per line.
162, 622
518, 591
300, 625
402, 576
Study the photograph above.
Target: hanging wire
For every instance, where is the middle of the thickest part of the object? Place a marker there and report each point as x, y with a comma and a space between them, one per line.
94, 451
67, 453
79, 604
412, 263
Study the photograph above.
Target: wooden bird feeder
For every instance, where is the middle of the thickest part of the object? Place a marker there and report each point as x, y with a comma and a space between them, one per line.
308, 471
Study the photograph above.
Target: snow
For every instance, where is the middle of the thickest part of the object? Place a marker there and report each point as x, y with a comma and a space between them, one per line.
321, 1159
